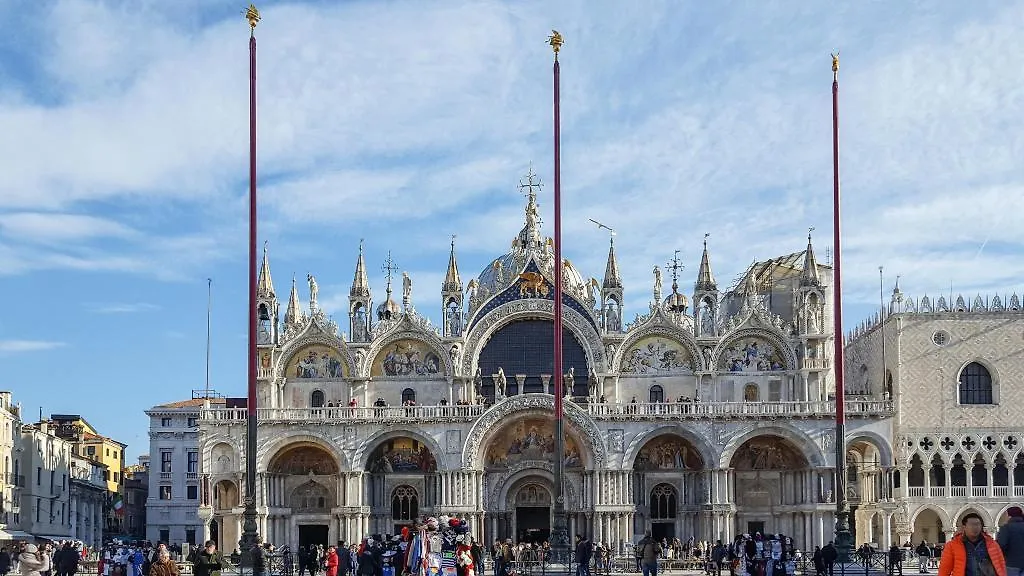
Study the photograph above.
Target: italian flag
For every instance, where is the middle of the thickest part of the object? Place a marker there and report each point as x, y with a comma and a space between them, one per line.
118, 505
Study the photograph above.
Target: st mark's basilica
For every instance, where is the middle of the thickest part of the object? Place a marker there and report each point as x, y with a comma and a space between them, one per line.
710, 415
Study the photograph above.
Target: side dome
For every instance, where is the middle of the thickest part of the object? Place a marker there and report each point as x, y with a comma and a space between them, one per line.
388, 310
676, 302
573, 280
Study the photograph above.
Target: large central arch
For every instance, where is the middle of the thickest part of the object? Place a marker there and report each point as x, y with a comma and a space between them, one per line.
498, 415
532, 309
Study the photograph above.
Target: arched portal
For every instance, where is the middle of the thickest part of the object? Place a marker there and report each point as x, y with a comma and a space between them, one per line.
532, 502
525, 347
766, 465
402, 482
303, 478
667, 467
929, 527
225, 502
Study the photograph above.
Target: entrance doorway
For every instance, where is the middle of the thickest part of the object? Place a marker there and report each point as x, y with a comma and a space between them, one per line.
666, 530
313, 534
755, 528
533, 523
215, 533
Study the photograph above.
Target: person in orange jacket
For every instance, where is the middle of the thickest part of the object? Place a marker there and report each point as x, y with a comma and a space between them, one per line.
972, 552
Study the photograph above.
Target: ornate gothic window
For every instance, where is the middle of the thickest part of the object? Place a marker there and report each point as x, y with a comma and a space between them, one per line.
312, 497
1000, 472
404, 504
408, 395
657, 394
663, 502
316, 399
975, 385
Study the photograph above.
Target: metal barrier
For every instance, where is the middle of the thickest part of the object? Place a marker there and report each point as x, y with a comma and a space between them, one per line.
534, 563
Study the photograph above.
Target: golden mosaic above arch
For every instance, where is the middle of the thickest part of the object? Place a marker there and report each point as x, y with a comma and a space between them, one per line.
315, 361
409, 358
656, 355
529, 439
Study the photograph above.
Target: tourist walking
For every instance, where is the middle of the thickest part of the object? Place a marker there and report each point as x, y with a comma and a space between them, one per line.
208, 560
650, 551
1011, 540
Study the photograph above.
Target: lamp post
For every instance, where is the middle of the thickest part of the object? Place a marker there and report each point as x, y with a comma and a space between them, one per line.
250, 536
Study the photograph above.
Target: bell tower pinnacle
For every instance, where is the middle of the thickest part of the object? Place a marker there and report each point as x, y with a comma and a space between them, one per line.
360, 302
452, 298
705, 297
267, 306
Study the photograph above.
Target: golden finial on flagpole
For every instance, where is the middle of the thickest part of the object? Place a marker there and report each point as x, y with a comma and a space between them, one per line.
556, 41
252, 15
835, 63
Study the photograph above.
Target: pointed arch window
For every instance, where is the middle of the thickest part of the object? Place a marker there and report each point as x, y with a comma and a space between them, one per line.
316, 399
663, 502
657, 394
975, 385
404, 504
408, 396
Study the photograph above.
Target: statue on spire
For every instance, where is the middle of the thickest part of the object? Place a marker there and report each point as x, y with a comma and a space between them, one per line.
406, 290
657, 284
314, 290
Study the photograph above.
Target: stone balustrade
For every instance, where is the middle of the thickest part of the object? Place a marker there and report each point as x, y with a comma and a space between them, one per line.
598, 411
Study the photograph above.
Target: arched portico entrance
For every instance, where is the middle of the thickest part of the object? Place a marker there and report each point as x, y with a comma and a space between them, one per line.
402, 483
532, 501
774, 488
302, 486
668, 481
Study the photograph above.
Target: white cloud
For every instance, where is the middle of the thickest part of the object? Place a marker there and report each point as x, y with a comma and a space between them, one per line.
406, 124
122, 308
19, 346
54, 228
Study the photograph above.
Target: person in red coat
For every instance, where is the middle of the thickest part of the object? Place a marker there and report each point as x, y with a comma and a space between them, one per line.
332, 561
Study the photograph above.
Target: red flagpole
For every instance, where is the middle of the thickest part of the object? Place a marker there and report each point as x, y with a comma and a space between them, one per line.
559, 527
252, 226
843, 537
250, 529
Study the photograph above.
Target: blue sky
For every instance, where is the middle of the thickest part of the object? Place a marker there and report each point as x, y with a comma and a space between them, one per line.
402, 122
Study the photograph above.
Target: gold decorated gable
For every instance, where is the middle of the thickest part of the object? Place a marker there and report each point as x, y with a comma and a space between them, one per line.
304, 460
315, 361
656, 355
408, 358
768, 453
668, 452
751, 355
529, 439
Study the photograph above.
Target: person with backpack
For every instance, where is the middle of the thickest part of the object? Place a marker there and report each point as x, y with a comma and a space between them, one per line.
924, 554
650, 551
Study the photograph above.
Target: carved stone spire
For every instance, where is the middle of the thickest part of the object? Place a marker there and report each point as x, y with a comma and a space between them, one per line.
452, 282
612, 278
705, 279
294, 312
360, 283
809, 276
265, 285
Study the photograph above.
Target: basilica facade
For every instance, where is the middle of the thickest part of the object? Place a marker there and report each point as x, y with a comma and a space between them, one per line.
709, 415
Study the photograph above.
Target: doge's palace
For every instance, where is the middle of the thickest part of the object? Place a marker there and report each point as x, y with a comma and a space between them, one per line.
709, 415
